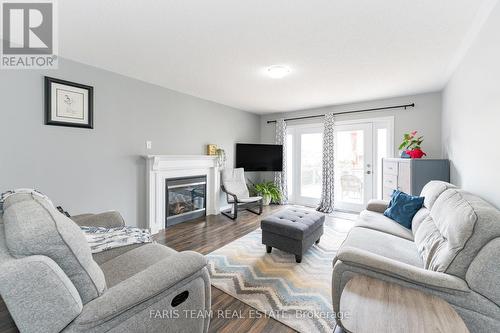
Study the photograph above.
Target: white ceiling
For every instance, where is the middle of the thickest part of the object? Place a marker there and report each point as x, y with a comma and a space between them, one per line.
340, 50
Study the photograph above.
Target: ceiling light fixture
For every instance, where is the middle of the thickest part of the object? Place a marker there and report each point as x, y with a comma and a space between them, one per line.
278, 71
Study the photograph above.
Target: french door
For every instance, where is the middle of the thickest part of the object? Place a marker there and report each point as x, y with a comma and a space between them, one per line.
359, 149
360, 146
304, 164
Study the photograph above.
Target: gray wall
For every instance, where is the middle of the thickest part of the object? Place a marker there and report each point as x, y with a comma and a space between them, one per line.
425, 117
471, 115
101, 169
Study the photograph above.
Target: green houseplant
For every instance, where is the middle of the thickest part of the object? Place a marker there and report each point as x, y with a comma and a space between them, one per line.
411, 146
269, 192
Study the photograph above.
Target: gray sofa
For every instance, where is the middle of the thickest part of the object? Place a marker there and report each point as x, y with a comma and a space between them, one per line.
452, 251
51, 282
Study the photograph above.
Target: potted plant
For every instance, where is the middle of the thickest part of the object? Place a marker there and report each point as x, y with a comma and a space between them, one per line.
410, 146
268, 191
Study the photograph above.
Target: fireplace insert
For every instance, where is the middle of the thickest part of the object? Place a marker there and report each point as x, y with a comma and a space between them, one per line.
185, 199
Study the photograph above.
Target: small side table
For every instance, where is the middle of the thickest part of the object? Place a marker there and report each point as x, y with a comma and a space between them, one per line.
371, 305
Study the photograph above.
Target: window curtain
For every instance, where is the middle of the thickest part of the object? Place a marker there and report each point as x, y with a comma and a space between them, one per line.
280, 178
327, 192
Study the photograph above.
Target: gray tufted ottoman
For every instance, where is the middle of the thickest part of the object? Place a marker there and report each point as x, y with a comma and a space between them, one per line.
292, 230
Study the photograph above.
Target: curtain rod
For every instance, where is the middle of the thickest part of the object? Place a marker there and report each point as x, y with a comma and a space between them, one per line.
412, 105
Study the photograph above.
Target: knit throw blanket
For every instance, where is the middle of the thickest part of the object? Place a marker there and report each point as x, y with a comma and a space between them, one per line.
101, 239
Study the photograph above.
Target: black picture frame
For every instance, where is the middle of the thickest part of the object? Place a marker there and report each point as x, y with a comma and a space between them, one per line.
48, 104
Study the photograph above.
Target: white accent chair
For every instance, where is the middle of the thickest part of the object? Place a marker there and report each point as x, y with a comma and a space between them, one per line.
235, 187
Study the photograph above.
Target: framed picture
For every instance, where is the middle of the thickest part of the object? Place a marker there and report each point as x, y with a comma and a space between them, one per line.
68, 103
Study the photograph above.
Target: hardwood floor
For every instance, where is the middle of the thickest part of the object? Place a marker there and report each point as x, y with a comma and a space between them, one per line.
206, 235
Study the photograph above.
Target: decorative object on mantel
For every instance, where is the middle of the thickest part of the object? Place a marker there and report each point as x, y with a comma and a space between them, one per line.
269, 192
68, 103
410, 147
211, 150
221, 158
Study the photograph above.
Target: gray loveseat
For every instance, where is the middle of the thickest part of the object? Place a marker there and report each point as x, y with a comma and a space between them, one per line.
452, 251
51, 282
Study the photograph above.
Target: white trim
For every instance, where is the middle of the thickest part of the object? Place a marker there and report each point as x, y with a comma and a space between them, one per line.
162, 167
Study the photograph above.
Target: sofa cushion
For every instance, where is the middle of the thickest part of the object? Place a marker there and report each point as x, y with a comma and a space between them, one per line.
419, 217
403, 208
459, 225
376, 221
132, 262
383, 244
432, 190
39, 295
104, 256
34, 227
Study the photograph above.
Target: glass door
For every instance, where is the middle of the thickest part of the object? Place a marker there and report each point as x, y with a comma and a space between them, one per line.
353, 166
360, 146
305, 152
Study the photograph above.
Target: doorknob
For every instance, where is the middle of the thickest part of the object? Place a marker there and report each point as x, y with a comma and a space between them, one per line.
368, 172
368, 165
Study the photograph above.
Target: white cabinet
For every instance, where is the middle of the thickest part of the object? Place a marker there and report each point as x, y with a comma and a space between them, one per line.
410, 175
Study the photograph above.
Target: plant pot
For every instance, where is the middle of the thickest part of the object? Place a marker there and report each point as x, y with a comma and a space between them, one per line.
416, 153
266, 200
404, 154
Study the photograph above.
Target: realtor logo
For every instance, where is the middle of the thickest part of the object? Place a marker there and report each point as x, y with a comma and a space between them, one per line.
28, 35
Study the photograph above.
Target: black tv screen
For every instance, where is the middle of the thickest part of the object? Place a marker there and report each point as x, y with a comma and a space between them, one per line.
257, 157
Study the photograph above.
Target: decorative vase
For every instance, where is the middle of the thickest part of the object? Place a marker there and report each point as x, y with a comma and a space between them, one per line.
266, 200
221, 158
404, 154
416, 153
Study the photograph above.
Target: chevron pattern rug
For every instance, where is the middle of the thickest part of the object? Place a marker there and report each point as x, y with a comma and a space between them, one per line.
298, 295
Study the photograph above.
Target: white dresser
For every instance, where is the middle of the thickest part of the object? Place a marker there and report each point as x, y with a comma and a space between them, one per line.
410, 175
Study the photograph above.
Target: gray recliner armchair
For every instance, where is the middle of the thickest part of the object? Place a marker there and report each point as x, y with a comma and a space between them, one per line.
452, 251
51, 282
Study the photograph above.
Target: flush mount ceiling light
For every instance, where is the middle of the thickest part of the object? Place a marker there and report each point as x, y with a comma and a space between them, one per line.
278, 71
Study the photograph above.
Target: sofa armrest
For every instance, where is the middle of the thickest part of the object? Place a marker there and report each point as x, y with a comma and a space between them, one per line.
377, 206
141, 287
111, 219
400, 270
39, 295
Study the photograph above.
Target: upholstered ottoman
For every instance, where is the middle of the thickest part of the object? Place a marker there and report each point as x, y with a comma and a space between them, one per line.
292, 230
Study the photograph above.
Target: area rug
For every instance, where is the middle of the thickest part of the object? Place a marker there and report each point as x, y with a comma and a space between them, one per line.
298, 295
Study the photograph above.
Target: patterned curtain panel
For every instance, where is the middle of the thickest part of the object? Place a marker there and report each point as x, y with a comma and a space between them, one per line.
327, 193
281, 177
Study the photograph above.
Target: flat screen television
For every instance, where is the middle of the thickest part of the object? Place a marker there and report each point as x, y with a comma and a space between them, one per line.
258, 157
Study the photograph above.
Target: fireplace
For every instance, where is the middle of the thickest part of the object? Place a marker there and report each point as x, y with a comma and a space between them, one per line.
185, 199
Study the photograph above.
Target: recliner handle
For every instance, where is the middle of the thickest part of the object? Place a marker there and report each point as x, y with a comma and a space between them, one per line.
179, 299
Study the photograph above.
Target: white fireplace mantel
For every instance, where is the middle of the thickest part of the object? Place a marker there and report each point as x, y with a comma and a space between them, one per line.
162, 167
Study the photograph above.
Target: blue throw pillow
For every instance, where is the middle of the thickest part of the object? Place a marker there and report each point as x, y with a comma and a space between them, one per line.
403, 207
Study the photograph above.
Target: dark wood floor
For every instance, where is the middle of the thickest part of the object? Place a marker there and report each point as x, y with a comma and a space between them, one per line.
207, 235
204, 236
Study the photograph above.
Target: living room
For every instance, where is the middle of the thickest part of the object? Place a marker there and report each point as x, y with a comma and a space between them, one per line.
253, 166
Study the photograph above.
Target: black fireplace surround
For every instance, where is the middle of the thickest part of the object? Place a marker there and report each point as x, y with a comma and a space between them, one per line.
185, 199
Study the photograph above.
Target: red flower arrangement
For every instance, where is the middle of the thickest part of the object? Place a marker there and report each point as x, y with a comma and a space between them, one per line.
411, 145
